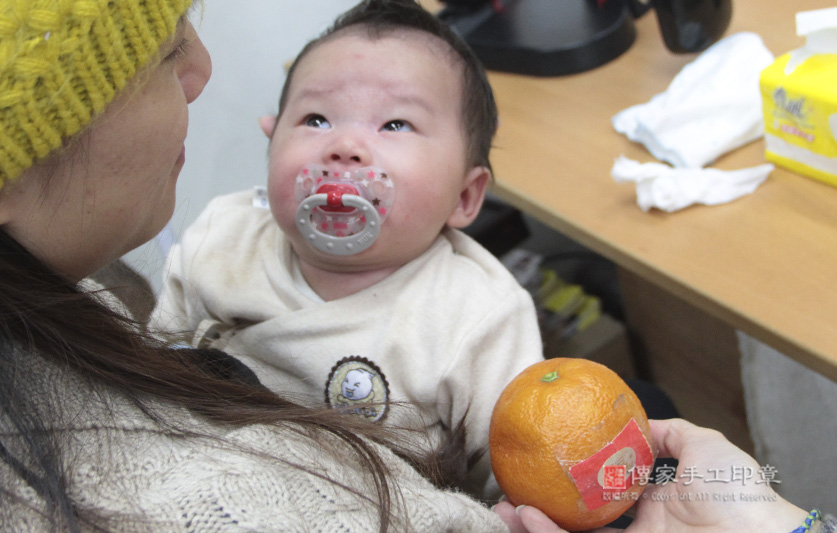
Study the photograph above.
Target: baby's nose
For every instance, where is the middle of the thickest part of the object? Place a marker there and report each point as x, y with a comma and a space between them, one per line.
337, 156
349, 149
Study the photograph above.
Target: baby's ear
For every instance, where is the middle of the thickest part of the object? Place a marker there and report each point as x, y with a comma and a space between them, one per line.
470, 198
267, 123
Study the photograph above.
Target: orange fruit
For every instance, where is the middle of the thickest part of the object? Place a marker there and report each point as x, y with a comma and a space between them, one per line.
569, 437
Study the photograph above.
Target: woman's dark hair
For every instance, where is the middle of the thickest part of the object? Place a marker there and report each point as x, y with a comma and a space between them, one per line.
381, 18
43, 315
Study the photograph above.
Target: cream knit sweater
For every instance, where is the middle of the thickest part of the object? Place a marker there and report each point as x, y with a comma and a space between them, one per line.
121, 465
138, 476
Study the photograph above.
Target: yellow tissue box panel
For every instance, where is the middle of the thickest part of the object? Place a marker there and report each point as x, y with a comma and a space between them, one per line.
800, 116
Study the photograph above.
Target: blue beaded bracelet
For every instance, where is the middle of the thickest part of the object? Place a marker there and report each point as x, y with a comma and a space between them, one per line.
812, 517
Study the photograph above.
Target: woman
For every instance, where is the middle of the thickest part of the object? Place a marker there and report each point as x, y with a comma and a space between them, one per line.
102, 428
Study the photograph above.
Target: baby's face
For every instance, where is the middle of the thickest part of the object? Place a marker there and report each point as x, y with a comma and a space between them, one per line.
393, 103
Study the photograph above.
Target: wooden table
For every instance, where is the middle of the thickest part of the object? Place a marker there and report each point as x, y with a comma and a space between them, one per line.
764, 264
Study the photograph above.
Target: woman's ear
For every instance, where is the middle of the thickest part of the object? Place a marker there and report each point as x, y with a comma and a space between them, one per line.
470, 198
267, 123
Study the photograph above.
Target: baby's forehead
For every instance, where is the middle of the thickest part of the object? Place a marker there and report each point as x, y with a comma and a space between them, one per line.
320, 56
426, 41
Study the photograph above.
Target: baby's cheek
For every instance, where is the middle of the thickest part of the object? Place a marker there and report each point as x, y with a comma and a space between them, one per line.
283, 206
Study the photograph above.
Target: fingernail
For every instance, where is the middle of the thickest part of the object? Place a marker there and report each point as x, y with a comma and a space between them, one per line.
517, 509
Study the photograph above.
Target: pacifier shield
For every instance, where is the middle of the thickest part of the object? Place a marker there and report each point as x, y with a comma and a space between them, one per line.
341, 213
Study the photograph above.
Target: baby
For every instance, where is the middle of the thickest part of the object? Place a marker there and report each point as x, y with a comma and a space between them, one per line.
356, 286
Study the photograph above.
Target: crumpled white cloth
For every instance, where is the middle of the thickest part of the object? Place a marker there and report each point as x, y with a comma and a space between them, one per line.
670, 189
711, 107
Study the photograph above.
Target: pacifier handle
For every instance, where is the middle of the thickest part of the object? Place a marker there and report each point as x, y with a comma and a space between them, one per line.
330, 244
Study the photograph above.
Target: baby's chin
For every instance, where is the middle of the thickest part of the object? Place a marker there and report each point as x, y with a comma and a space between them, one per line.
372, 258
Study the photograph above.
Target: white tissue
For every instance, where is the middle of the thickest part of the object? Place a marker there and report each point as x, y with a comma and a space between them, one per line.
814, 21
819, 27
670, 189
712, 106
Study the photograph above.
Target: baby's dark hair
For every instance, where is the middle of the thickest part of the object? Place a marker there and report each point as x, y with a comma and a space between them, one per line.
380, 18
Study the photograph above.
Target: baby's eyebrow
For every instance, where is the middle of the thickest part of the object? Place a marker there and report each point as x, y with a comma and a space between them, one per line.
413, 99
410, 97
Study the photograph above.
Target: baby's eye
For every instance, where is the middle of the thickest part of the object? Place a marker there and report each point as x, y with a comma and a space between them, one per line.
317, 121
397, 125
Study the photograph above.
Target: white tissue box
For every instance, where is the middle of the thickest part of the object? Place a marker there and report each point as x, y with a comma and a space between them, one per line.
799, 101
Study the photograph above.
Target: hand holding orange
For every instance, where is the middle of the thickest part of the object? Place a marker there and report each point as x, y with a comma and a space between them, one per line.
569, 437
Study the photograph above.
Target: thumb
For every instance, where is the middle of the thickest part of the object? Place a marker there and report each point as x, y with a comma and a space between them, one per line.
535, 521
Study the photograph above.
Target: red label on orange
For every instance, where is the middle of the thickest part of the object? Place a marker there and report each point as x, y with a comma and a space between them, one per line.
628, 447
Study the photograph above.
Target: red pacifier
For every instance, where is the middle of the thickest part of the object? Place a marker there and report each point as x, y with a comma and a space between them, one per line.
340, 213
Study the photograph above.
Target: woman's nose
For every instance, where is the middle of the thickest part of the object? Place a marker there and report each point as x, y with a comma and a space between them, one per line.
196, 70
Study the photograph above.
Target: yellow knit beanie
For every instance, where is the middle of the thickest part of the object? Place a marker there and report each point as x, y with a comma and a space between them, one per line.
63, 61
